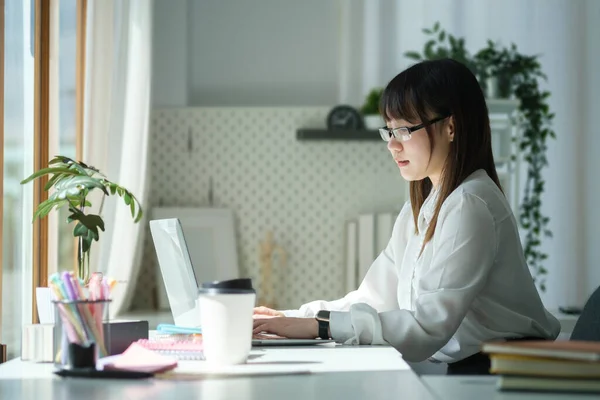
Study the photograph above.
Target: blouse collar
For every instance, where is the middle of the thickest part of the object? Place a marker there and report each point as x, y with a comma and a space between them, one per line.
429, 205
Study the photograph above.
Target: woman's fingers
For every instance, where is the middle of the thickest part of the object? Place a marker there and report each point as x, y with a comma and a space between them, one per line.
263, 310
299, 328
259, 324
259, 329
265, 325
266, 311
263, 316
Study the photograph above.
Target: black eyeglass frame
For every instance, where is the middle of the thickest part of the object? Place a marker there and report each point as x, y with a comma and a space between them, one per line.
389, 133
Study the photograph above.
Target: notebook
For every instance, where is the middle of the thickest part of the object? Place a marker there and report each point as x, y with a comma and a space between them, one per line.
570, 350
180, 348
509, 364
548, 384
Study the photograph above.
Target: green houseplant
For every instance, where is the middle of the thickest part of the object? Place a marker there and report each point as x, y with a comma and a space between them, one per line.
504, 72
72, 182
370, 109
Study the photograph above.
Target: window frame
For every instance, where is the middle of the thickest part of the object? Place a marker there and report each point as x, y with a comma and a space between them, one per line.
1, 157
42, 47
41, 125
79, 93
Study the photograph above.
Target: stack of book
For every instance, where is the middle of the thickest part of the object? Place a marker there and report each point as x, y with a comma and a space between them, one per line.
572, 366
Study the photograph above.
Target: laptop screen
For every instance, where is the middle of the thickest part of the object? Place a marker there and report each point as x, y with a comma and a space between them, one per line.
177, 270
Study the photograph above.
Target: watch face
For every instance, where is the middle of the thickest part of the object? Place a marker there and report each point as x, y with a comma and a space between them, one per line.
323, 315
344, 117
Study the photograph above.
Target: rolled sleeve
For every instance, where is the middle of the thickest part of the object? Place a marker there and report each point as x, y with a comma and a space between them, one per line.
341, 328
360, 325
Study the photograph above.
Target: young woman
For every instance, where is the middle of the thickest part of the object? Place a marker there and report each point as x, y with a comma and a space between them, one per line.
453, 274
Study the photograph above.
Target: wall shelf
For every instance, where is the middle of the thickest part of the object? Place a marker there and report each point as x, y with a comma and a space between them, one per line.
327, 134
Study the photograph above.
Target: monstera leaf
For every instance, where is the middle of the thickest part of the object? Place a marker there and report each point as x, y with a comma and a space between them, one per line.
70, 183
86, 228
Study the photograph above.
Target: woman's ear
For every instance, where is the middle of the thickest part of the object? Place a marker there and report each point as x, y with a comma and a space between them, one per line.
450, 129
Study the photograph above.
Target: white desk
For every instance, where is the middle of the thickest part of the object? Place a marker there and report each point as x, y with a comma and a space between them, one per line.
361, 372
484, 387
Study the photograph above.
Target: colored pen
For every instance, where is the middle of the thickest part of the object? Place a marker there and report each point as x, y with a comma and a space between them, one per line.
73, 296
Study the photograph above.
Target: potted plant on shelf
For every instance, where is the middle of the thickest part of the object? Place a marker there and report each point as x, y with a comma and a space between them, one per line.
370, 110
72, 182
504, 72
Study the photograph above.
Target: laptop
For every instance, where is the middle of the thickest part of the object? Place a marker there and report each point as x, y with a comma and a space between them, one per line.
181, 284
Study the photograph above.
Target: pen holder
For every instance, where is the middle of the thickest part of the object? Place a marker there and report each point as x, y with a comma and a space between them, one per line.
79, 335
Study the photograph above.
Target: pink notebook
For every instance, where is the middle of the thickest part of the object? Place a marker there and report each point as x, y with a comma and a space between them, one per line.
182, 349
138, 358
172, 344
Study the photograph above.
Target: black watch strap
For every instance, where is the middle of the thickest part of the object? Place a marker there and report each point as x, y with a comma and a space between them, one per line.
323, 321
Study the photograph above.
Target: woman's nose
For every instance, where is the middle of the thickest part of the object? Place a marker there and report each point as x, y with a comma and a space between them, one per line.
394, 145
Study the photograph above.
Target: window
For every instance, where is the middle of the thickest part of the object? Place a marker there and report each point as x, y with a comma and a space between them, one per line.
63, 21
42, 81
18, 163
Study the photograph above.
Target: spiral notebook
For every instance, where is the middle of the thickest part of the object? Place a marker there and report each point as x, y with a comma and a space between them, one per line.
179, 348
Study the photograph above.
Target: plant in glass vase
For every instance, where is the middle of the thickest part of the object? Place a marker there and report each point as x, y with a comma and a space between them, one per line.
71, 183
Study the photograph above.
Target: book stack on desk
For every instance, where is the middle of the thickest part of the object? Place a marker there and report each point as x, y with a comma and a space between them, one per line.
572, 366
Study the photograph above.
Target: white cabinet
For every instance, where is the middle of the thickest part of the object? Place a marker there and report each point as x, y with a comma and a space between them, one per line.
501, 114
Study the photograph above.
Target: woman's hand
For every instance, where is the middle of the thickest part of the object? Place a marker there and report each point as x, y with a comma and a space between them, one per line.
294, 328
265, 312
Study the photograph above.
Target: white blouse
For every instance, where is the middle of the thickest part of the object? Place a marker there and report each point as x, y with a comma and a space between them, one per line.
471, 283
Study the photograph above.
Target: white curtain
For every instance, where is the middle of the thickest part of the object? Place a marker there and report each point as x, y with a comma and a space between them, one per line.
117, 106
376, 33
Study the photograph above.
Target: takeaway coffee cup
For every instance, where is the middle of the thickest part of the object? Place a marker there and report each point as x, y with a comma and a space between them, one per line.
226, 309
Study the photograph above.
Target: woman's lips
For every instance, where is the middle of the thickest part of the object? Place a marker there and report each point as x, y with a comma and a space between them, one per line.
402, 163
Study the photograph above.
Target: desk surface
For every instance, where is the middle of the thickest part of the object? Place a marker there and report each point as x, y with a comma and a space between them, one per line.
361, 372
484, 387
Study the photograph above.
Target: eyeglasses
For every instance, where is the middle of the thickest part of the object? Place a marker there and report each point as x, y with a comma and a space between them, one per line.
404, 133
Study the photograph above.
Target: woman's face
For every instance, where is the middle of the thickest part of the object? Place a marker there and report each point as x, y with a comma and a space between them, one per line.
415, 157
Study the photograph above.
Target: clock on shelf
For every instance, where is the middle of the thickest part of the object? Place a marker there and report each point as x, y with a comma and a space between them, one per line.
344, 117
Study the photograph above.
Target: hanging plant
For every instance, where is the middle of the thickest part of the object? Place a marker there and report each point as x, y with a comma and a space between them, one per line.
518, 75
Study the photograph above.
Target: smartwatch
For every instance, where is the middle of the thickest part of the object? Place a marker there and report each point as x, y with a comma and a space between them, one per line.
323, 320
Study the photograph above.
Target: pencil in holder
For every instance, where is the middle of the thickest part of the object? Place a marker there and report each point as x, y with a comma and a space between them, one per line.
79, 334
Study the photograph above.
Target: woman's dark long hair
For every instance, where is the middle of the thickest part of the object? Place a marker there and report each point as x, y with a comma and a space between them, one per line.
436, 88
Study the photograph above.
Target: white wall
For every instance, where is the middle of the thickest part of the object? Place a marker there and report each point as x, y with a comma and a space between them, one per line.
589, 213
170, 53
561, 53
571, 59
256, 53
